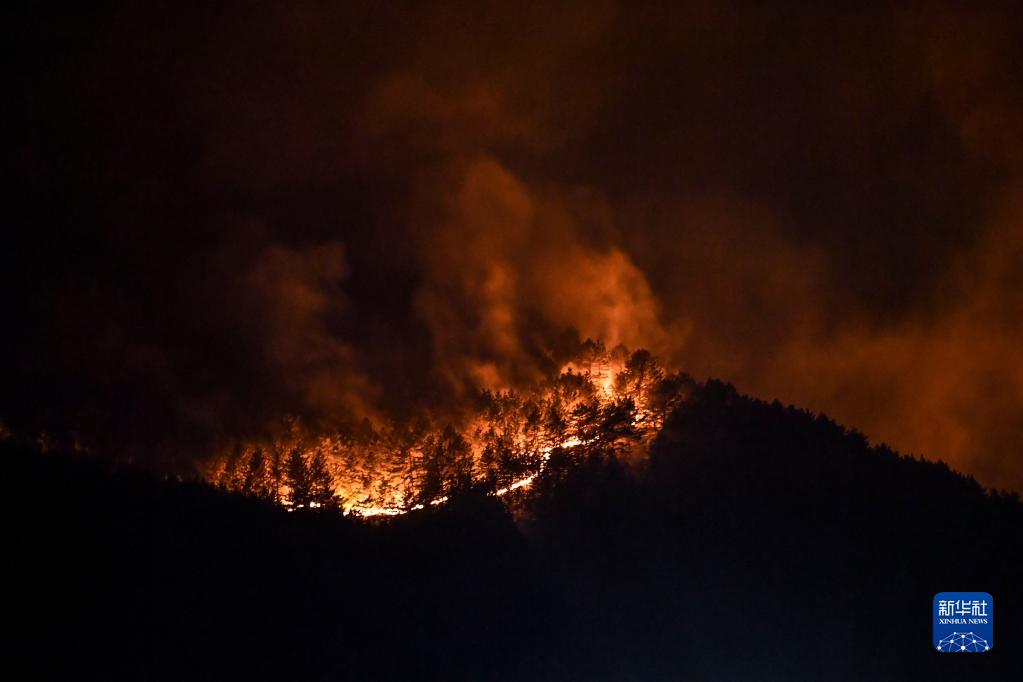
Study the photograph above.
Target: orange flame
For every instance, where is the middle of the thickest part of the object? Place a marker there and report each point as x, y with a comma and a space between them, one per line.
608, 399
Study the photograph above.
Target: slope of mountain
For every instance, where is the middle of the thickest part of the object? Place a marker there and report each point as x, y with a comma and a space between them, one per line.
757, 542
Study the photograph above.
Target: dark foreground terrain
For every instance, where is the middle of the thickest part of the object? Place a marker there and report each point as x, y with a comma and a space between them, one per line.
758, 543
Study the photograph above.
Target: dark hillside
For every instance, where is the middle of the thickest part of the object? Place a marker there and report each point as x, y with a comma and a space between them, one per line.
758, 542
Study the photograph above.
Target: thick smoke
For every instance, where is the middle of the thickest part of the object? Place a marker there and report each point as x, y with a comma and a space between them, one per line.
294, 297
507, 272
346, 213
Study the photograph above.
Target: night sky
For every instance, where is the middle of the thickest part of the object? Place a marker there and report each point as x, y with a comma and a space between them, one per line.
221, 214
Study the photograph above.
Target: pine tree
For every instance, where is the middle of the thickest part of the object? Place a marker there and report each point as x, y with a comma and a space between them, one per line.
490, 459
430, 483
298, 480
255, 482
276, 474
321, 482
458, 461
586, 417
231, 477
555, 426
639, 379
617, 432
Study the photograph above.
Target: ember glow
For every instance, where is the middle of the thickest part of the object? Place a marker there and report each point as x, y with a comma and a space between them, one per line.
610, 403
353, 215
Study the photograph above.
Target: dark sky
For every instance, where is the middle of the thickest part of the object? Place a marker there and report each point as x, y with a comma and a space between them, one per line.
221, 214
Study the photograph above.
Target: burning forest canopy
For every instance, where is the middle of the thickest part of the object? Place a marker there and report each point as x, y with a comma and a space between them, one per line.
220, 217
639, 303
603, 403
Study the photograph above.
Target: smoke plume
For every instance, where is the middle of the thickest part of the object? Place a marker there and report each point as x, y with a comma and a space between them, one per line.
224, 217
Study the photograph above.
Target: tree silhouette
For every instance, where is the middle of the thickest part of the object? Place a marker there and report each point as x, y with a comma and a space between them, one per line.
616, 432
639, 380
321, 482
586, 418
255, 482
555, 425
276, 473
298, 478
748, 518
232, 475
494, 458
447, 465
668, 394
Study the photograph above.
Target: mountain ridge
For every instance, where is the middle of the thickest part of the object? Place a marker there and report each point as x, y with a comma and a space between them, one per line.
759, 541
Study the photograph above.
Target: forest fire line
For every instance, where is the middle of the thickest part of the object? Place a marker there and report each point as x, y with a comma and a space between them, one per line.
611, 402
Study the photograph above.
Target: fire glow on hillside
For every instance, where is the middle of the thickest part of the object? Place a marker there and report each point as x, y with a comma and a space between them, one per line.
604, 402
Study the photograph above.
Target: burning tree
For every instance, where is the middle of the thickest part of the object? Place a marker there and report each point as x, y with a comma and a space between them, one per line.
604, 403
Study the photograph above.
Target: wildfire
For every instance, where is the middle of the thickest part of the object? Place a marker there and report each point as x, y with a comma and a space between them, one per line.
611, 401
